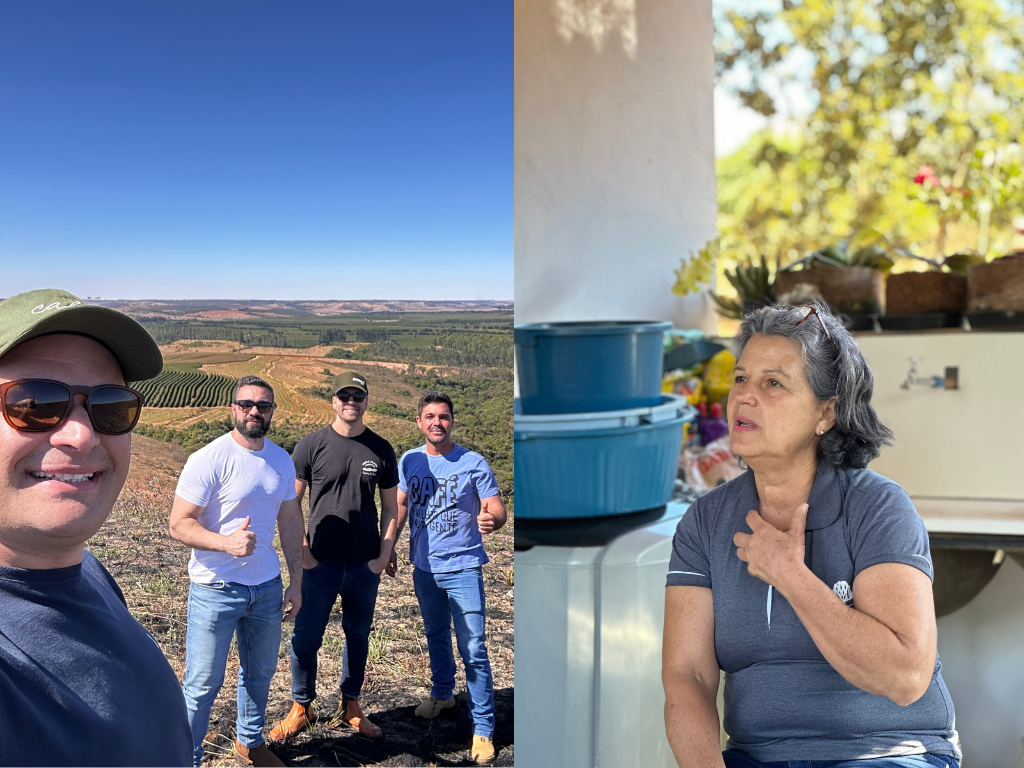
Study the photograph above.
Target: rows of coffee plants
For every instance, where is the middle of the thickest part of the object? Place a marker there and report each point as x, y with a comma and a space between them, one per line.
184, 385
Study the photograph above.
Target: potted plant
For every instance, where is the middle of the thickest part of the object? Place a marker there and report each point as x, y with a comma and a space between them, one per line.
940, 290
996, 287
754, 289
850, 276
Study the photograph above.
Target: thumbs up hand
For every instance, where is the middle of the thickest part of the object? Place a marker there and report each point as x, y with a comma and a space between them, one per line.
770, 554
242, 542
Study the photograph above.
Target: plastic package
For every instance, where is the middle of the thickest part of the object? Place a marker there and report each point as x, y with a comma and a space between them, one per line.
718, 376
714, 426
686, 384
710, 466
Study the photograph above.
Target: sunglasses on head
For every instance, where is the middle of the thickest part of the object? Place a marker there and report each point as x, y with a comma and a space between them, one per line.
356, 397
39, 405
262, 406
803, 312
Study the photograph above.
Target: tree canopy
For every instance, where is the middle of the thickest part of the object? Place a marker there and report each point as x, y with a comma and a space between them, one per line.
914, 127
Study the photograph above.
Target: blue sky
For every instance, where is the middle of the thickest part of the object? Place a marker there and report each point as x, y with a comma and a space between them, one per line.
292, 150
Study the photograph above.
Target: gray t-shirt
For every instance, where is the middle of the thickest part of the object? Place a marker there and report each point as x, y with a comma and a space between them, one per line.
783, 700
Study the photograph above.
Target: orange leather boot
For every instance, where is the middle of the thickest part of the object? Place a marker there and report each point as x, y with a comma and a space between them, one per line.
351, 715
260, 756
300, 717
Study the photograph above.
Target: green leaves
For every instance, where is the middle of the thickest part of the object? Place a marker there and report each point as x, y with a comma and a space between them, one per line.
960, 263
893, 86
753, 283
865, 248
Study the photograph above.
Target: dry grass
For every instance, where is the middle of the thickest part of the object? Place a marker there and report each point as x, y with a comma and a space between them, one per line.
152, 571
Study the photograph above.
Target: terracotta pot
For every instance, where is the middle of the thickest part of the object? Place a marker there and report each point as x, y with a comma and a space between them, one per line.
918, 293
996, 287
848, 289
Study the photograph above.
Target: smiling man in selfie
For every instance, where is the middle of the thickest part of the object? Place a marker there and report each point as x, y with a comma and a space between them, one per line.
81, 682
230, 495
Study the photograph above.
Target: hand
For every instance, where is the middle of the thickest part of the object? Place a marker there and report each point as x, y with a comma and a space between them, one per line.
292, 595
485, 522
391, 569
770, 554
242, 542
308, 561
378, 564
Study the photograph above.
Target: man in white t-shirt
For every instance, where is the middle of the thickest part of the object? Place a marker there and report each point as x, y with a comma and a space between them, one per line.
229, 496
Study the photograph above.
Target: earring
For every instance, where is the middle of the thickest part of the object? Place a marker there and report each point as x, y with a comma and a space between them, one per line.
822, 432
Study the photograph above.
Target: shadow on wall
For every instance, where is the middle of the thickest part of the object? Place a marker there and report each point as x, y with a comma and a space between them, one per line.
596, 19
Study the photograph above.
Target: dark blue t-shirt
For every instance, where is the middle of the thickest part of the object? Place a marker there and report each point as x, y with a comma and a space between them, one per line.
783, 700
81, 682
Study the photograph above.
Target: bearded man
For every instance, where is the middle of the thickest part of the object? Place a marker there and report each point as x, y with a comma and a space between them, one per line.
229, 496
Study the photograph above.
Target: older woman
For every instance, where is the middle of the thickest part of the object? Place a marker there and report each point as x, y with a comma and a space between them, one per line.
807, 579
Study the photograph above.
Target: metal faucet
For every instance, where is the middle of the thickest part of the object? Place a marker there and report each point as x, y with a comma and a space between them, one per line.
936, 382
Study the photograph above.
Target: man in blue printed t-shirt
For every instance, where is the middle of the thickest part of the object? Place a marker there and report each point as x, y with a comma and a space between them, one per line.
451, 499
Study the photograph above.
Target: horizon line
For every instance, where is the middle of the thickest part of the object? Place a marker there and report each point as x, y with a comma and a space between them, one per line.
315, 301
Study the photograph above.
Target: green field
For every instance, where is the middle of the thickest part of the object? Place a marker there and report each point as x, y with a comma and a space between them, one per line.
485, 337
183, 385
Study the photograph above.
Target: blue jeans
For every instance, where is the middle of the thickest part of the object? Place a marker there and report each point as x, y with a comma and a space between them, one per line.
321, 586
216, 612
734, 758
458, 596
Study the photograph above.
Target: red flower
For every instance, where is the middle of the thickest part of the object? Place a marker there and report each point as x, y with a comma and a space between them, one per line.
925, 173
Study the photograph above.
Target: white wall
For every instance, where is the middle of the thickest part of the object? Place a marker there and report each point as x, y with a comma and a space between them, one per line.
614, 158
982, 651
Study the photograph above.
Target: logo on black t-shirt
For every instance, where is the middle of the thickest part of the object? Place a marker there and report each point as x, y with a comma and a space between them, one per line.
370, 468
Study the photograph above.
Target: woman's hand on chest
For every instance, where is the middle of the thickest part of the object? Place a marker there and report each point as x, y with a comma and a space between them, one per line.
770, 554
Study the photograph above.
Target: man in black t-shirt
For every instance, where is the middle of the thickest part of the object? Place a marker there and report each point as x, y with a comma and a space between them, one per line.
81, 681
345, 550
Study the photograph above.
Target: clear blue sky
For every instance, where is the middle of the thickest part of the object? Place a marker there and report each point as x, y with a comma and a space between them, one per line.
295, 150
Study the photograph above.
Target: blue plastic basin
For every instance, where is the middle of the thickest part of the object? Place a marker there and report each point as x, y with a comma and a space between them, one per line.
589, 366
594, 473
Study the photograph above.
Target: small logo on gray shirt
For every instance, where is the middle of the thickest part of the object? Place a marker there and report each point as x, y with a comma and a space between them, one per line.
843, 592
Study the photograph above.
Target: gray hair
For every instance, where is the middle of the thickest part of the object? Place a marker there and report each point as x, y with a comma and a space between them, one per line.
836, 369
252, 381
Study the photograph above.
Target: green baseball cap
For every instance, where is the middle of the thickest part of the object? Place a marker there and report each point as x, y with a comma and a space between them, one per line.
37, 313
350, 379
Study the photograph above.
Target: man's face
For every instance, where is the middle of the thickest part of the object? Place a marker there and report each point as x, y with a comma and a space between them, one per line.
345, 405
42, 516
435, 422
249, 421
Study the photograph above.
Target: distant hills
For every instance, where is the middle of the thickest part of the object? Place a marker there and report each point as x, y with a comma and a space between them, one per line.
216, 309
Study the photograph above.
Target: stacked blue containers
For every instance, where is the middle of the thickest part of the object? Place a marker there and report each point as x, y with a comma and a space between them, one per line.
594, 436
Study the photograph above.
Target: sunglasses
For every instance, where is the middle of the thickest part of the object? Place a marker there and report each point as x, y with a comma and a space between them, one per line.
262, 406
356, 397
39, 405
805, 312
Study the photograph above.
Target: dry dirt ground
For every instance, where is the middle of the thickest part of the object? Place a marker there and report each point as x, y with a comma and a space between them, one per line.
152, 571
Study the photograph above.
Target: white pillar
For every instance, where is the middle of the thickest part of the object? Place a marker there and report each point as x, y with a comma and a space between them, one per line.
614, 157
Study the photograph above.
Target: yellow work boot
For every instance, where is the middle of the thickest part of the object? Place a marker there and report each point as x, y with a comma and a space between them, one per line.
483, 750
430, 707
300, 717
351, 715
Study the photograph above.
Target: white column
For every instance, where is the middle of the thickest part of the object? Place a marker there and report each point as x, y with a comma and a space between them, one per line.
614, 157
